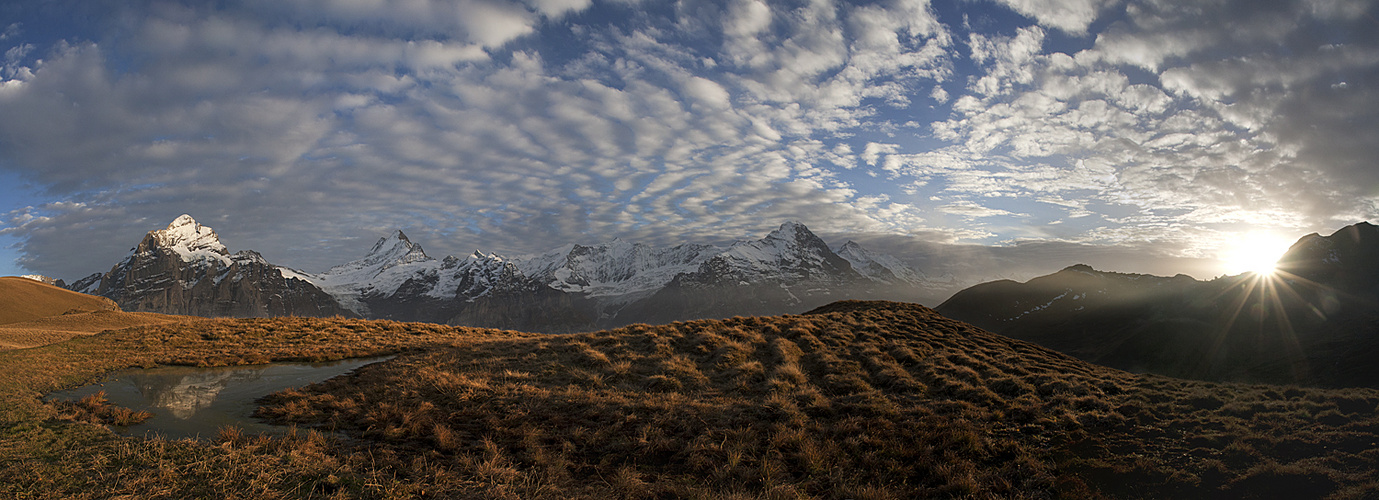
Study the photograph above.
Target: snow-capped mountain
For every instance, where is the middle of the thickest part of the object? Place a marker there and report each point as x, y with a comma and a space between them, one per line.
880, 267
607, 284
790, 270
391, 262
185, 269
40, 278
573, 287
790, 254
614, 269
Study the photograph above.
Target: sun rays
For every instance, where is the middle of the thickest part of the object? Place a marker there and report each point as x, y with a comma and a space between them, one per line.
1270, 307
1254, 252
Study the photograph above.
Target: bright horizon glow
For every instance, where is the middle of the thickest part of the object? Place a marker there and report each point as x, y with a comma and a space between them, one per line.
1256, 252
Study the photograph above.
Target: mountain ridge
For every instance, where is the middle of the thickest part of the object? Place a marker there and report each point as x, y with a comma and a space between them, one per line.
575, 287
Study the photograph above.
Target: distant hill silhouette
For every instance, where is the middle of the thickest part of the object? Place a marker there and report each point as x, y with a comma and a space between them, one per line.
1312, 322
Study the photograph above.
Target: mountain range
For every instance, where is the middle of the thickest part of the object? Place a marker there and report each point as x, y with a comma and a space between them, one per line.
185, 269
1313, 321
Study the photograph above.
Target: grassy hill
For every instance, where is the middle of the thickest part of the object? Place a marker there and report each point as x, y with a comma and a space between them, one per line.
852, 400
34, 314
23, 299
54, 329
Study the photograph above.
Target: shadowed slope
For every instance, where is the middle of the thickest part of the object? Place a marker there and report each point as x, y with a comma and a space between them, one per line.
1313, 321
23, 299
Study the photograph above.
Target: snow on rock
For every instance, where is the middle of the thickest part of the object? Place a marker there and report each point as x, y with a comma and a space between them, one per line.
614, 268
616, 272
880, 267
789, 254
391, 262
191, 241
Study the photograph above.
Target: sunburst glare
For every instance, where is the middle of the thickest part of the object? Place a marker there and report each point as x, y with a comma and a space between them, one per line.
1256, 252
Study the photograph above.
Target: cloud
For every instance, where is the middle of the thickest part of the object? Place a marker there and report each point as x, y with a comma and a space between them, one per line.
968, 208
1216, 141
707, 92
1072, 16
300, 139
305, 129
489, 23
746, 18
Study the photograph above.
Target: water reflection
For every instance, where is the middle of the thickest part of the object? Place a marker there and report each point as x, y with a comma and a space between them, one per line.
196, 402
182, 395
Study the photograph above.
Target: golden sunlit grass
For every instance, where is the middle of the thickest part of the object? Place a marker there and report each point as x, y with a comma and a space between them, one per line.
34, 314
23, 299
855, 400
53, 329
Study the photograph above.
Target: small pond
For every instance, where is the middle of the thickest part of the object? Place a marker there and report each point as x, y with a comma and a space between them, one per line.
196, 402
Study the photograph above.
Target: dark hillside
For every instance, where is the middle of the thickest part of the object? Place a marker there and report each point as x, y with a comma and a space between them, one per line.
1313, 322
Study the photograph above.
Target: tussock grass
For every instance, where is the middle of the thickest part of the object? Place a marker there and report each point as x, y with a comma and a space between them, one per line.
853, 400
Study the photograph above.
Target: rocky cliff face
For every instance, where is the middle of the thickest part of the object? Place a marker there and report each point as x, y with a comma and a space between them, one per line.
184, 269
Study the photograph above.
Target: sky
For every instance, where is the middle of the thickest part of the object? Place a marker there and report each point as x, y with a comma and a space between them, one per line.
985, 136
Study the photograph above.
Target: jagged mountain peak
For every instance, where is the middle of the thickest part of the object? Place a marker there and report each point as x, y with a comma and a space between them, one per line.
879, 267
392, 250
397, 240
793, 231
187, 238
480, 255
791, 241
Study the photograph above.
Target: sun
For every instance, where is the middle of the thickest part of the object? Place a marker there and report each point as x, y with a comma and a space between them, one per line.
1255, 252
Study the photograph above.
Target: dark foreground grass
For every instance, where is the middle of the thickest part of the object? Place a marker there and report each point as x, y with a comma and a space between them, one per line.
855, 400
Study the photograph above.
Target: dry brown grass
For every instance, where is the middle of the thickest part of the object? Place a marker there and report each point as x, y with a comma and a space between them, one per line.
854, 400
23, 299
54, 329
56, 450
861, 400
95, 409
